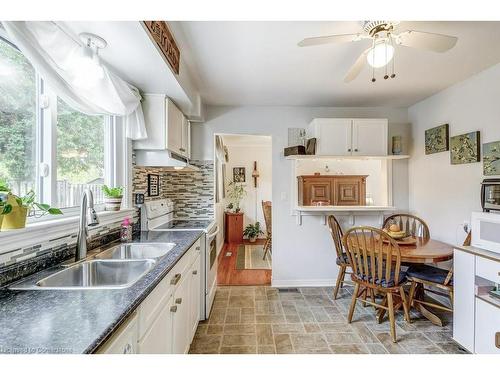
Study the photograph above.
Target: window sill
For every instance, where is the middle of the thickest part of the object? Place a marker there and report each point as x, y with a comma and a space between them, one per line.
46, 230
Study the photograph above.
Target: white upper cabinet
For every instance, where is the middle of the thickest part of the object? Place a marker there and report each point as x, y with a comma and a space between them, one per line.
167, 127
340, 137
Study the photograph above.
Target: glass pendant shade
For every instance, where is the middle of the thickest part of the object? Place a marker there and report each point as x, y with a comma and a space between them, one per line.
380, 55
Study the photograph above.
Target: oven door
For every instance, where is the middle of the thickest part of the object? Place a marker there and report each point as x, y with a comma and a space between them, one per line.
211, 268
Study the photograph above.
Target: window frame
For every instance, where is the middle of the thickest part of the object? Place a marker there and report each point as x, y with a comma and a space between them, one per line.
117, 151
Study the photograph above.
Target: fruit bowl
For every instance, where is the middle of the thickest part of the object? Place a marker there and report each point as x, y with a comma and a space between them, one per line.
396, 235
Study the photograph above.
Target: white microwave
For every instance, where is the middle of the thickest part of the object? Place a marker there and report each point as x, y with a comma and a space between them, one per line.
485, 228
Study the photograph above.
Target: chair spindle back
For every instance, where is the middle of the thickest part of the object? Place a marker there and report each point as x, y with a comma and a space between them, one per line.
412, 225
336, 231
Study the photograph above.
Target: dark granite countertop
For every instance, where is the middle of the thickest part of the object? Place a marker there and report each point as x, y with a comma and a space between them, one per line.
79, 321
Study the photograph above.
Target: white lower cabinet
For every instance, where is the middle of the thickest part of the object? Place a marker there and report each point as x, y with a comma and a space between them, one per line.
124, 340
166, 320
487, 338
463, 301
158, 338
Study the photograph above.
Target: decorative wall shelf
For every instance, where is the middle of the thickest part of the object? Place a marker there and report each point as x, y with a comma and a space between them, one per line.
347, 157
350, 211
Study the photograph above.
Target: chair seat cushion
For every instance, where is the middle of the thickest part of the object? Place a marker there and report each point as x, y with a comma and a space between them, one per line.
343, 259
428, 273
386, 283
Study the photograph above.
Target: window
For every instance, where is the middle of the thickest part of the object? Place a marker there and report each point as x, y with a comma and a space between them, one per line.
46, 145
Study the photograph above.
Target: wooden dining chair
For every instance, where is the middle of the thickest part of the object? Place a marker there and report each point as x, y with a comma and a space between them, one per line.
342, 260
375, 259
267, 210
411, 224
424, 276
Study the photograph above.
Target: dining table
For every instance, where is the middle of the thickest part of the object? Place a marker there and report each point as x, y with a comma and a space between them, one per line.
422, 250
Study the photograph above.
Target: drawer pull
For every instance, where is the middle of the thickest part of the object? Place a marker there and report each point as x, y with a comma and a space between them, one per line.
175, 279
348, 150
355, 150
497, 340
173, 308
195, 272
178, 301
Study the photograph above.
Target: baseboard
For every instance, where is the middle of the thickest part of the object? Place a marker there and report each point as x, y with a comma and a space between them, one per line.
302, 283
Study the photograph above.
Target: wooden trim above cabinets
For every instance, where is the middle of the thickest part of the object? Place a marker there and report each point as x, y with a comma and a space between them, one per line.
336, 190
160, 33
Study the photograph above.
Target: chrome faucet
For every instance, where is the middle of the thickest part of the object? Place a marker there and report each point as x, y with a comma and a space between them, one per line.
88, 218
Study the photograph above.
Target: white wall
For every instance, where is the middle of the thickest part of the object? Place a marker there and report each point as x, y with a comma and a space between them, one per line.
441, 193
302, 255
241, 155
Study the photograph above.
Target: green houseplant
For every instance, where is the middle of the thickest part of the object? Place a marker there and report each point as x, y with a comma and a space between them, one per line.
252, 231
15, 208
112, 197
235, 192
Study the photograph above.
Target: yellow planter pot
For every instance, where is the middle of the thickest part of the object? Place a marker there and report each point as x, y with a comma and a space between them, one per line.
1, 221
16, 219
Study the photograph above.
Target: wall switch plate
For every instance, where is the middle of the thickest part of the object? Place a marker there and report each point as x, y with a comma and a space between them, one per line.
139, 198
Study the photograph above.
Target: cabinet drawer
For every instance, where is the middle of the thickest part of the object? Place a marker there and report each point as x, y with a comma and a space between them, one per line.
488, 269
487, 337
124, 340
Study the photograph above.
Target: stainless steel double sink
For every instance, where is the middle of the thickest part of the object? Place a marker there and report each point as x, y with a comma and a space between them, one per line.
116, 268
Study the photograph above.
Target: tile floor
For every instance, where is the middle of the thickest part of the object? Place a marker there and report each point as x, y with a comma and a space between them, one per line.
262, 319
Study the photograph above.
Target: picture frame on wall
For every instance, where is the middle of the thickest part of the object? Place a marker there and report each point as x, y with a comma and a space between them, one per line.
465, 148
153, 185
491, 159
437, 139
239, 174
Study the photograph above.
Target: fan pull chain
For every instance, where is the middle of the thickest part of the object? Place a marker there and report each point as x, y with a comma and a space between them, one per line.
373, 62
385, 45
393, 75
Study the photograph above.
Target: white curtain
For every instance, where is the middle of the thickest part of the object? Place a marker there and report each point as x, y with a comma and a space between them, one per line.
50, 47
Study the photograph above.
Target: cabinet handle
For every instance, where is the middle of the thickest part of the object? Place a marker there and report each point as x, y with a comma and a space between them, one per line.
348, 150
175, 279
173, 308
181, 149
195, 272
355, 150
127, 349
178, 301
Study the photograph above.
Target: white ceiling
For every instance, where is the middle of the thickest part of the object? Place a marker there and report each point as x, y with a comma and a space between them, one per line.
259, 63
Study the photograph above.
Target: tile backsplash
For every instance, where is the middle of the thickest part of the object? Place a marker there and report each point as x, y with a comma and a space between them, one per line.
191, 191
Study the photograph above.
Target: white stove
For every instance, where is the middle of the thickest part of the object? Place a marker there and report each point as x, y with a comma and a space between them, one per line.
158, 215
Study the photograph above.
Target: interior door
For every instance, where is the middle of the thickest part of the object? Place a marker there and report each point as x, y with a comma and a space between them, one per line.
334, 136
369, 137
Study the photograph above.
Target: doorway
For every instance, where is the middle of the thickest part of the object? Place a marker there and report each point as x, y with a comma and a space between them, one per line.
243, 191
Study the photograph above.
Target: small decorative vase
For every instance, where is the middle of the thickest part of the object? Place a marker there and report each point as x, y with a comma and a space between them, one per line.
112, 204
252, 239
16, 219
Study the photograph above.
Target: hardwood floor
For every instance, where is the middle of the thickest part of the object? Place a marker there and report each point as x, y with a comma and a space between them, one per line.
227, 274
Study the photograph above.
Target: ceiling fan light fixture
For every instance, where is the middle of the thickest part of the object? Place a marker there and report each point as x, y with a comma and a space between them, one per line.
380, 55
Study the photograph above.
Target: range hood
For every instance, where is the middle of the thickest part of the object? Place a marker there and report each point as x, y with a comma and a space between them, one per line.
163, 158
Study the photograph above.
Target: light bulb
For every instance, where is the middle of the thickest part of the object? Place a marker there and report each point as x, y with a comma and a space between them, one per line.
380, 55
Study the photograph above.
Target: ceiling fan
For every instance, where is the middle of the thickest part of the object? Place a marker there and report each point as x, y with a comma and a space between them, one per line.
383, 40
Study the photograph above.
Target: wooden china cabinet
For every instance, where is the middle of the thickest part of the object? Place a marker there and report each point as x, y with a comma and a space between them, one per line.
337, 190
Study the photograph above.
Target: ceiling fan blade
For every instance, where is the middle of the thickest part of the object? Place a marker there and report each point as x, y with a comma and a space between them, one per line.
341, 38
357, 67
427, 41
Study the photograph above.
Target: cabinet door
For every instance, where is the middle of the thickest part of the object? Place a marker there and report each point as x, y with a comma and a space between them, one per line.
369, 137
158, 339
124, 341
333, 136
195, 297
317, 190
349, 192
185, 137
487, 337
181, 337
174, 128
463, 301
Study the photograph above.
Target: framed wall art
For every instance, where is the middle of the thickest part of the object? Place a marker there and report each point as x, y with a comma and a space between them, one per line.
465, 148
239, 174
437, 139
153, 185
491, 158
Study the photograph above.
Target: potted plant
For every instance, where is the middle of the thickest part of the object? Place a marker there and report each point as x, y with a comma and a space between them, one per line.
112, 197
235, 192
5, 207
19, 208
252, 231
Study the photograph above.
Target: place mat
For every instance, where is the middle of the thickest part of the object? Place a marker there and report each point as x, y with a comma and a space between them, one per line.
249, 257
